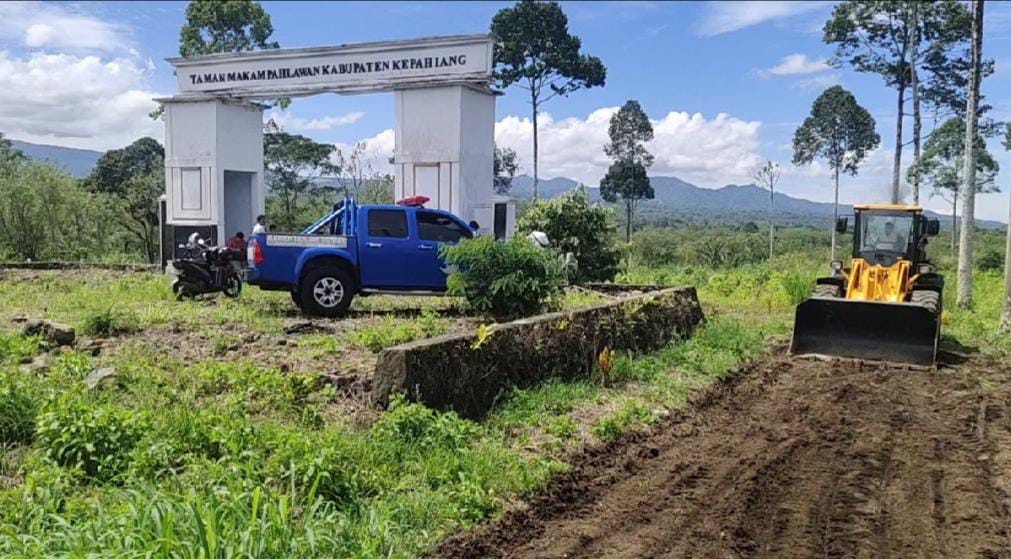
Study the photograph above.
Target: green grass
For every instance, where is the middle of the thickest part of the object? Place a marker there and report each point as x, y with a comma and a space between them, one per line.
234, 458
390, 331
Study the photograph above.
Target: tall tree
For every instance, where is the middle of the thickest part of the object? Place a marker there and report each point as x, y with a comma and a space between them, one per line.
895, 38
767, 176
133, 178
214, 26
629, 131
1005, 319
292, 163
626, 180
839, 131
217, 26
943, 163
964, 299
505, 167
535, 50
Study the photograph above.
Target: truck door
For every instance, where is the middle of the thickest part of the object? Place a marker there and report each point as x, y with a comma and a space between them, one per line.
436, 229
386, 249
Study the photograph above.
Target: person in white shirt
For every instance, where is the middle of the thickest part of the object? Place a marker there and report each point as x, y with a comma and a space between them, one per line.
261, 225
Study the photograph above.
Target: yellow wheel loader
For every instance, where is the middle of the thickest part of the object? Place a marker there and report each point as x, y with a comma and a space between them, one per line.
886, 305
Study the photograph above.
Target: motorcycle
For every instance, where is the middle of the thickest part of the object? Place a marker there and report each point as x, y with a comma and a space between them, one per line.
205, 269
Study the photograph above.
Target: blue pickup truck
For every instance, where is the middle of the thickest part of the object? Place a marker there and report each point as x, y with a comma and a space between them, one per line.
356, 250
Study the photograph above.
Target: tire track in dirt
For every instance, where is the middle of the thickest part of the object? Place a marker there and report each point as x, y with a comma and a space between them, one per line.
789, 458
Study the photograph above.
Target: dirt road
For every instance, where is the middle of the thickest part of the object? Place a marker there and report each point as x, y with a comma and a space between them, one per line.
790, 458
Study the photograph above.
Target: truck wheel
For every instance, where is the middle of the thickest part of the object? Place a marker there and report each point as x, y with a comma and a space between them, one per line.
296, 297
326, 292
826, 290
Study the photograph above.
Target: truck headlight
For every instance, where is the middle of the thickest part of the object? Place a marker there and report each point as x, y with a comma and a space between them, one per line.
836, 265
924, 269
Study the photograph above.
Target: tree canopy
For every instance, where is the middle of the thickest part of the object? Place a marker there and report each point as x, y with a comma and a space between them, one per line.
9, 153
292, 163
132, 178
505, 167
629, 130
838, 130
942, 163
116, 167
214, 26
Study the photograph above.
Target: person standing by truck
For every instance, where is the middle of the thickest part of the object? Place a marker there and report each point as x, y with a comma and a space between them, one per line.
261, 225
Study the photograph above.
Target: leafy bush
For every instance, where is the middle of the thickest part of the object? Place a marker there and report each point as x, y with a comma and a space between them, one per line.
15, 347
421, 427
990, 260
574, 225
17, 412
97, 439
110, 322
504, 279
612, 426
718, 248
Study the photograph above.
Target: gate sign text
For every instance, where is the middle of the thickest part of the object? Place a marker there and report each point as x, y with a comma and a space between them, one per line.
347, 68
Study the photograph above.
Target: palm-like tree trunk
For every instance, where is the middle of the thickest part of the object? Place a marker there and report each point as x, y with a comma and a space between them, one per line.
965, 241
835, 211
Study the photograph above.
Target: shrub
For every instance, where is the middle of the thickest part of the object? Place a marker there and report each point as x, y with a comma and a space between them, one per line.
504, 279
109, 322
15, 347
574, 225
414, 425
990, 260
97, 439
610, 427
17, 413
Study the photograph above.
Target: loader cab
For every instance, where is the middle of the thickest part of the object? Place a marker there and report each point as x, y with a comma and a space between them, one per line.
884, 234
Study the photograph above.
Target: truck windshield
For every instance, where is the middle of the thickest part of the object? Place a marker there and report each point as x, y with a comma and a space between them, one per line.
885, 233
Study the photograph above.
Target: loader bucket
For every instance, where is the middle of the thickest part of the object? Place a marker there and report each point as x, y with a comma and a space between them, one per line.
899, 332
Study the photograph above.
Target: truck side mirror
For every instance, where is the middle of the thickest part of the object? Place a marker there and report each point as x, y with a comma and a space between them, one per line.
933, 227
841, 224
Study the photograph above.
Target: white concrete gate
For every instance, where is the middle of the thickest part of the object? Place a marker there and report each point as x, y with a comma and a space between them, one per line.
444, 135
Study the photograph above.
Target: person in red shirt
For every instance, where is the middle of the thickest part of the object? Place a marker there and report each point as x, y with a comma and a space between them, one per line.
238, 242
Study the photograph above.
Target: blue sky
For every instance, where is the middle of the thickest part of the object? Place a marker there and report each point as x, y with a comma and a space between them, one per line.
726, 83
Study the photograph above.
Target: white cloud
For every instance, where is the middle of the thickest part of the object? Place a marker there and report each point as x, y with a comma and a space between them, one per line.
725, 17
796, 65
288, 121
690, 146
58, 26
75, 101
815, 83
378, 150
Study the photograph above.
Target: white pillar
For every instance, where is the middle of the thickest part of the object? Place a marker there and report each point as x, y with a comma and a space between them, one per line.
210, 144
445, 139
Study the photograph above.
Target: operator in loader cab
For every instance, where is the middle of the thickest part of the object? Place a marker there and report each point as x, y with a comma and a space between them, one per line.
890, 240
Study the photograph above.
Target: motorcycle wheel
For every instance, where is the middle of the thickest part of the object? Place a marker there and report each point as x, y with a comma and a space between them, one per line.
233, 286
183, 293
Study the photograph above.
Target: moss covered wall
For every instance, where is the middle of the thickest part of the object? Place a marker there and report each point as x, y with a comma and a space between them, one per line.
468, 373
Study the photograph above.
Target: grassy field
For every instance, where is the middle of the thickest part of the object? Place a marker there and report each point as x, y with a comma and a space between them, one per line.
241, 429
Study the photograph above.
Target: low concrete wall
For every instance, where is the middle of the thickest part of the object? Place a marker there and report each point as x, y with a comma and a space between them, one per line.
468, 375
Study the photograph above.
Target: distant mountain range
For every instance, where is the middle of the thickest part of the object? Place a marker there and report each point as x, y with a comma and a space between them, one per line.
77, 162
680, 202
676, 202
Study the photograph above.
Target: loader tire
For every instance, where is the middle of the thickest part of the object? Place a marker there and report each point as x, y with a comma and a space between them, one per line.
826, 290
928, 299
